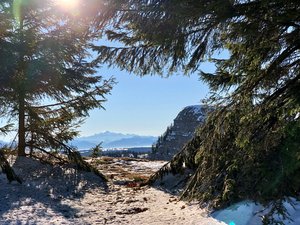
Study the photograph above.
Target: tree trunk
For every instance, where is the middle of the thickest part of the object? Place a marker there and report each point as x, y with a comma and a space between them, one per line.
21, 134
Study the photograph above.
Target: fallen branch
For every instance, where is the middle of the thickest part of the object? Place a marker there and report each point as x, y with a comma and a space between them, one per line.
75, 157
6, 168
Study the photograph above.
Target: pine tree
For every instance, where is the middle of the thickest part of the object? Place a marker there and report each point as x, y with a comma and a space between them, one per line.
97, 150
48, 79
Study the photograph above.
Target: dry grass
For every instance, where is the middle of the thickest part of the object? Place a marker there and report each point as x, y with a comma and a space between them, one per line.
122, 169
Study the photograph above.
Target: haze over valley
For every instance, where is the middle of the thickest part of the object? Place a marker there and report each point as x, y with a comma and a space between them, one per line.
113, 140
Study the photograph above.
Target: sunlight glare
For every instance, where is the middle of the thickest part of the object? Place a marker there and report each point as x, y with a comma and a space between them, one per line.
68, 5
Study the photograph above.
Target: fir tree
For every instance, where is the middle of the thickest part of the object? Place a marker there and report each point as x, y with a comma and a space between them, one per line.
97, 150
48, 80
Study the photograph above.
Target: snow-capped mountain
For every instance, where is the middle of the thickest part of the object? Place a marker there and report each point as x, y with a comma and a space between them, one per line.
180, 132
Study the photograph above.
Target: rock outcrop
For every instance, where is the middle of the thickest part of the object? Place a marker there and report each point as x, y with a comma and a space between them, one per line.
180, 132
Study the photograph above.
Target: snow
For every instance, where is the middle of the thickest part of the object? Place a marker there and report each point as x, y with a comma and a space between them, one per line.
152, 165
241, 213
61, 195
170, 138
187, 134
250, 213
196, 109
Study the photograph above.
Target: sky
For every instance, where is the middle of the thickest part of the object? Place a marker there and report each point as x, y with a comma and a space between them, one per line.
144, 105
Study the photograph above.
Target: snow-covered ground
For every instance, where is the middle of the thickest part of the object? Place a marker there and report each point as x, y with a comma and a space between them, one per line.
249, 213
62, 195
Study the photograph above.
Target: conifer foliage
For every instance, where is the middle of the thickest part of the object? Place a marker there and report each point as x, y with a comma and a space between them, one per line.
249, 146
48, 80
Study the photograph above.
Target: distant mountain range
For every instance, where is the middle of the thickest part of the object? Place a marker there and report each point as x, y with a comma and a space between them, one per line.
113, 140
110, 140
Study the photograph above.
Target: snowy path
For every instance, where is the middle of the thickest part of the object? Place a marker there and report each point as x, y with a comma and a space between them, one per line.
52, 195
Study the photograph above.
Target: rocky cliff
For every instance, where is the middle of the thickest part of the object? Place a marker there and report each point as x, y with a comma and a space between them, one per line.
180, 132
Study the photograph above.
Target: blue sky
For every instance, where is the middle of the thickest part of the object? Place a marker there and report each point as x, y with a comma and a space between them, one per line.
144, 105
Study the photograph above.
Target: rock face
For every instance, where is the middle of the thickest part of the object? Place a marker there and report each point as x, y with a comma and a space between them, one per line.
180, 132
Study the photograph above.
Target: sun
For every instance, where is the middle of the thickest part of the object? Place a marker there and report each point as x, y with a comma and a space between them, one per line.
68, 5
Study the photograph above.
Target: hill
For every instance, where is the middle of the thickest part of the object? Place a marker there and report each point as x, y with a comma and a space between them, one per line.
180, 132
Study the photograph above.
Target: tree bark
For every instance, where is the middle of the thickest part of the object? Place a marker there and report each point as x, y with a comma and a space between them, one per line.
21, 134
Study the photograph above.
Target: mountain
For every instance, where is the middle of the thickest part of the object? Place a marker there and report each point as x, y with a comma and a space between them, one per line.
113, 140
180, 132
106, 136
136, 141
